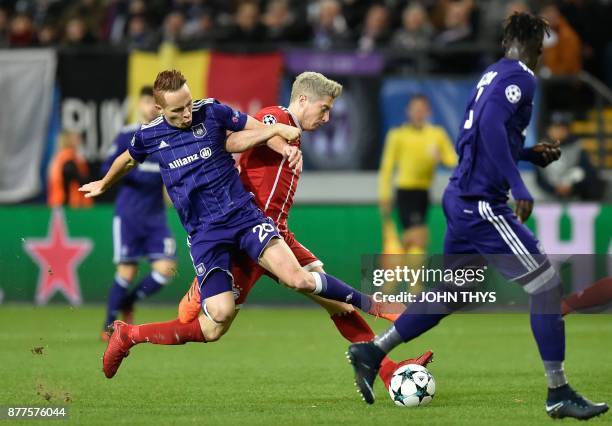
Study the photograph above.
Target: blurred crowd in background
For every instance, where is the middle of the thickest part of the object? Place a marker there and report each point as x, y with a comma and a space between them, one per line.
580, 26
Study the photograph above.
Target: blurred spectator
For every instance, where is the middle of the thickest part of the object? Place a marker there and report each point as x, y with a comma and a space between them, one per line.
562, 47
414, 150
457, 26
21, 32
139, 34
201, 28
68, 170
48, 35
247, 26
494, 13
91, 13
77, 34
282, 24
375, 31
416, 30
172, 30
330, 29
4, 27
457, 34
572, 176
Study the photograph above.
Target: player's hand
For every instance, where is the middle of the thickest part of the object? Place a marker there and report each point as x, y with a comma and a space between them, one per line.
523, 209
294, 157
93, 189
549, 152
289, 133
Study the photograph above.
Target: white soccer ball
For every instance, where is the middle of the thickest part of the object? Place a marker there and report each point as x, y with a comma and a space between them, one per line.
412, 385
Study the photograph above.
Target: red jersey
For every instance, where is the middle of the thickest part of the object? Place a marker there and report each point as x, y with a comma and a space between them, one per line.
267, 174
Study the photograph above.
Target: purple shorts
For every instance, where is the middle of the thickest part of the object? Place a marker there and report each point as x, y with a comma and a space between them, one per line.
132, 241
492, 230
213, 247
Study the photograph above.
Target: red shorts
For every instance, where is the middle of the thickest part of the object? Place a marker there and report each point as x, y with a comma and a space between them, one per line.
246, 272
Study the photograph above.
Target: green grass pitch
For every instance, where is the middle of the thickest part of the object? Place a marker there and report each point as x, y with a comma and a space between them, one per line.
287, 366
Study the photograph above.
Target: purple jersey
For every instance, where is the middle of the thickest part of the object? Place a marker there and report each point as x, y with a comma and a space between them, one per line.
141, 192
199, 174
492, 137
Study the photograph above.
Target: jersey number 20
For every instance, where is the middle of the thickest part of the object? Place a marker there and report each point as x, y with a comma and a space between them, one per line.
263, 229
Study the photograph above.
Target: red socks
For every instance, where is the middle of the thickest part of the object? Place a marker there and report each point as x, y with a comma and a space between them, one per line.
167, 333
599, 293
355, 329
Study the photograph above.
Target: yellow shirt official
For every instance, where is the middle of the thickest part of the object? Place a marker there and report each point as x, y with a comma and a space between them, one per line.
415, 153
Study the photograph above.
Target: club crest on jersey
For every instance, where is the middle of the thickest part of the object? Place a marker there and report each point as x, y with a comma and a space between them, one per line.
269, 119
199, 131
200, 269
205, 152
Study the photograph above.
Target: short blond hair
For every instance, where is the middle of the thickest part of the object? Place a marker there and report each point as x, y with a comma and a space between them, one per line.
316, 85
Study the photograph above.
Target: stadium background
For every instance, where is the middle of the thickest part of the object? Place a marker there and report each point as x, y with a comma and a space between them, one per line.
77, 65
88, 85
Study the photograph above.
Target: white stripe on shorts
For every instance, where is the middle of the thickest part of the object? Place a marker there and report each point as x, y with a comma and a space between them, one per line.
505, 236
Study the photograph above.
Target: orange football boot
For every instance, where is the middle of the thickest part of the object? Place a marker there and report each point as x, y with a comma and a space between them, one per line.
190, 305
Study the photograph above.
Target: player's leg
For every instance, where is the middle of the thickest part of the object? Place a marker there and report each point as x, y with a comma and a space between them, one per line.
124, 276
219, 312
162, 273
278, 259
160, 248
366, 357
412, 206
525, 264
595, 295
127, 249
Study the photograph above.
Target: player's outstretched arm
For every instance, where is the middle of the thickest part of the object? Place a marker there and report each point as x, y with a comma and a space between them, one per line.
256, 133
122, 164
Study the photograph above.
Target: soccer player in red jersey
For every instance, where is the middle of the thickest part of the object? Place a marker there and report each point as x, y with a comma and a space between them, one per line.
269, 177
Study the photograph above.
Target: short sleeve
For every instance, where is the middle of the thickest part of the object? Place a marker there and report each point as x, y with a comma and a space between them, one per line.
272, 115
229, 118
136, 148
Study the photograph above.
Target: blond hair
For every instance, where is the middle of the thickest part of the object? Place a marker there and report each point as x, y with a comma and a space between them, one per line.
316, 85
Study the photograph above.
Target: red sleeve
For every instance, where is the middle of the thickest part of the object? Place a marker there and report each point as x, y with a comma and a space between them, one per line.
272, 115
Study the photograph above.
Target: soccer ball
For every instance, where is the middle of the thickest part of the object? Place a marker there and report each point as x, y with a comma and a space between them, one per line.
411, 386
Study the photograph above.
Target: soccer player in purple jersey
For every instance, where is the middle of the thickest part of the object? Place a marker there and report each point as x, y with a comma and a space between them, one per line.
189, 143
480, 223
140, 227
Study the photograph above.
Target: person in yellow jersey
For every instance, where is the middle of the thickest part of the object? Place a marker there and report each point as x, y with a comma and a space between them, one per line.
412, 153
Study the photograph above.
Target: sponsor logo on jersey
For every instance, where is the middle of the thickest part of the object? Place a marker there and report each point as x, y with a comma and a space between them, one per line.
183, 161
163, 144
199, 131
205, 152
236, 116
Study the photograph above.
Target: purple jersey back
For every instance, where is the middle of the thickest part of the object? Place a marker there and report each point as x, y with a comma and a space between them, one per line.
199, 174
141, 192
507, 85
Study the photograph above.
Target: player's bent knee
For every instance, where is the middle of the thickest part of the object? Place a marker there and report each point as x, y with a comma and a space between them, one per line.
302, 282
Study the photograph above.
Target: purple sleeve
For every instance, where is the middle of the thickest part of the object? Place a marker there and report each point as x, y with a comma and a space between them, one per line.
510, 93
229, 118
136, 148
